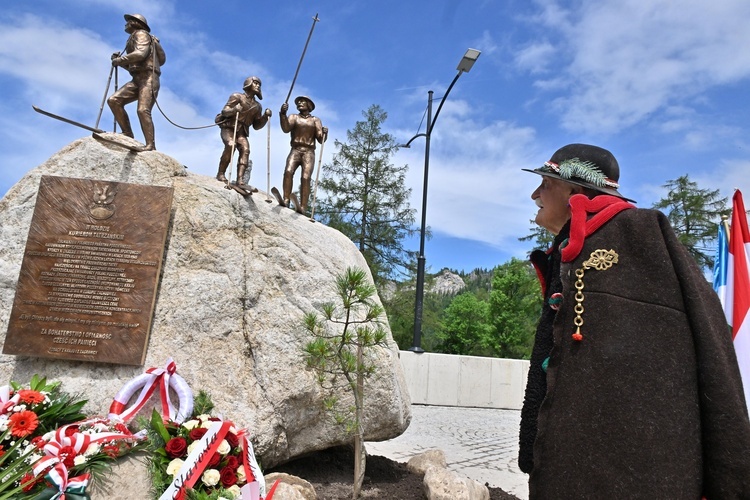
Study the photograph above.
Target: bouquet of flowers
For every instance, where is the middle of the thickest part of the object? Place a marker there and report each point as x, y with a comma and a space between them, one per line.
26, 414
206, 451
44, 436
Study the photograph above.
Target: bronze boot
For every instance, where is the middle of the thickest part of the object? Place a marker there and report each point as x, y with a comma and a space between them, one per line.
240, 176
221, 176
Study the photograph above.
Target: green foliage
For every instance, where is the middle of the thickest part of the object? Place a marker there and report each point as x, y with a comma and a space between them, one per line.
694, 214
341, 353
11, 484
541, 238
364, 196
495, 315
399, 306
64, 408
466, 326
515, 305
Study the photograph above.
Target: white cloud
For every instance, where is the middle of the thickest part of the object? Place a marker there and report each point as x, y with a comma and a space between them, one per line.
621, 61
476, 189
535, 58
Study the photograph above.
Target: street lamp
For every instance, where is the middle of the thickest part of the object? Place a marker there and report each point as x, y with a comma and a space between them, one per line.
468, 60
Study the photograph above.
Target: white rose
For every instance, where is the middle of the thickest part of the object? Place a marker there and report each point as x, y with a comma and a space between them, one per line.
224, 447
174, 467
211, 477
190, 424
192, 446
203, 417
207, 424
241, 474
93, 449
234, 490
79, 460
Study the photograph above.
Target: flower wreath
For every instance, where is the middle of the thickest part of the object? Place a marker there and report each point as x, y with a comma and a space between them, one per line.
164, 378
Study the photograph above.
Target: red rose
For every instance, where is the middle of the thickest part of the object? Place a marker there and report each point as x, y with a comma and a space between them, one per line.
69, 431
176, 447
228, 477
232, 439
232, 462
215, 459
197, 433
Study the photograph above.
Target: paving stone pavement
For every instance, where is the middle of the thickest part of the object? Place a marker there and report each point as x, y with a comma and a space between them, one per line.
479, 443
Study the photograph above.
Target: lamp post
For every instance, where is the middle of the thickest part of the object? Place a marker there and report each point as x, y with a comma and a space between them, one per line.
468, 60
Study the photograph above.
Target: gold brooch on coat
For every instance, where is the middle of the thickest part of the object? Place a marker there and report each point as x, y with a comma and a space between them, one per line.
600, 260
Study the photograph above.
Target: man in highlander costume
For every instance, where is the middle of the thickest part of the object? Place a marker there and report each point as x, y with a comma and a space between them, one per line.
633, 388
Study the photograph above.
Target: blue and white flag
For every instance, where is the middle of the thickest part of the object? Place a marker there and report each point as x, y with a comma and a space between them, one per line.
720, 267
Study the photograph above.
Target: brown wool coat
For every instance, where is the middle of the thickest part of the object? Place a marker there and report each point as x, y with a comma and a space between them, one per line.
650, 403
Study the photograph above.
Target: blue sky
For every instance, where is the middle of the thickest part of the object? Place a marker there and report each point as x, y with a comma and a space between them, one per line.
662, 84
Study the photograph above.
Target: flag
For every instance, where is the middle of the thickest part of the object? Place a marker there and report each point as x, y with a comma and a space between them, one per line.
720, 265
737, 302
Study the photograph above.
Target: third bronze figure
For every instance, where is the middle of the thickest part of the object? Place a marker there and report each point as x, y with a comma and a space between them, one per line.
305, 129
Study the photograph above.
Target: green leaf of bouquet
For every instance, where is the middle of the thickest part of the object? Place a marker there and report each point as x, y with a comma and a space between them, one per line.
14, 471
34, 384
158, 424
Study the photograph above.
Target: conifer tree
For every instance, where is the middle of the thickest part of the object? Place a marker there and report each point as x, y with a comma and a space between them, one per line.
364, 196
694, 214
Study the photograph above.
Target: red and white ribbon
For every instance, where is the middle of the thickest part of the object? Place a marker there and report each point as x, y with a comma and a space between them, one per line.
163, 379
249, 464
6, 401
56, 450
77, 442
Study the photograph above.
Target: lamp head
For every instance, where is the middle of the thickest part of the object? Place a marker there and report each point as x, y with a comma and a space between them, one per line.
468, 60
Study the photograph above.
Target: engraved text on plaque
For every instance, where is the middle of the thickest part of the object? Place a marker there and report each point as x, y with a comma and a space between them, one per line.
90, 271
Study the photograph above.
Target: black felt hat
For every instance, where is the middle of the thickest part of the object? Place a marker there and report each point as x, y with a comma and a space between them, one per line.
584, 165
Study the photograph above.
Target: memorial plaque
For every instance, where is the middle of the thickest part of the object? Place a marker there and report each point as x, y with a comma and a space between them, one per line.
90, 271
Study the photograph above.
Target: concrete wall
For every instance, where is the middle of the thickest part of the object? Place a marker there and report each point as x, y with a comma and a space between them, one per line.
449, 380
